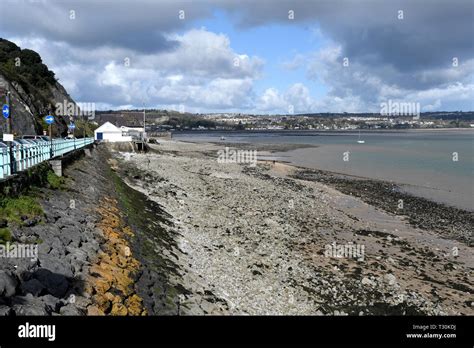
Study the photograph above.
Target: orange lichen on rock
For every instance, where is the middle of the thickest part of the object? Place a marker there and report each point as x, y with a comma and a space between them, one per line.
112, 277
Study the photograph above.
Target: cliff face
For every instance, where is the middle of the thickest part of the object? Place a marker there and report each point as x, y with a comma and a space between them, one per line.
34, 91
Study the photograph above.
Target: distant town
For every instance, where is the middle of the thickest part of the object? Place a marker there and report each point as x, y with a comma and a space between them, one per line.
157, 120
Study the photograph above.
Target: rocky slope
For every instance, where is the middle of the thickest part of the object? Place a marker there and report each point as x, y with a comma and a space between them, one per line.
82, 264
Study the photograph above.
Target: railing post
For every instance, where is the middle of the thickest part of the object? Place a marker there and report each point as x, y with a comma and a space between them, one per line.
3, 165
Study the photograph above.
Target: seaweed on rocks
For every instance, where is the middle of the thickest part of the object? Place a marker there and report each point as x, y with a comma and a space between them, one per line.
449, 222
151, 239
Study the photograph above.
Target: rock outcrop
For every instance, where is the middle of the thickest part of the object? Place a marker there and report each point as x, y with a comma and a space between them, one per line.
34, 91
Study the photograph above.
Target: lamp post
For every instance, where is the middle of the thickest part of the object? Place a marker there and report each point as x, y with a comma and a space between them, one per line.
144, 122
50, 142
49, 119
9, 131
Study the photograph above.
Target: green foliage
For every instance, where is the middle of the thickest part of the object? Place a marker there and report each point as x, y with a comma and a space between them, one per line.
15, 210
30, 68
82, 126
5, 235
55, 182
31, 74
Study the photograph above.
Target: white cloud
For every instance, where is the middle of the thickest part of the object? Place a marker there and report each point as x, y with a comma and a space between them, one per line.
171, 64
296, 99
360, 87
202, 71
204, 53
271, 100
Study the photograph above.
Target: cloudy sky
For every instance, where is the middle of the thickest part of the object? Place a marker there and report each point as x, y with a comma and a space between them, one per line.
258, 56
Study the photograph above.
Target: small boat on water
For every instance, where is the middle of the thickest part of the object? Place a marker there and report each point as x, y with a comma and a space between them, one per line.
222, 138
360, 141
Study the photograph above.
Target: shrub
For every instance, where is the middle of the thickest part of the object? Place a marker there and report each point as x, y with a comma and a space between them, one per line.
5, 235
55, 182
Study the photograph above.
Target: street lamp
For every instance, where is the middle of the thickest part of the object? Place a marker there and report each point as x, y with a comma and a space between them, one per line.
10, 131
144, 122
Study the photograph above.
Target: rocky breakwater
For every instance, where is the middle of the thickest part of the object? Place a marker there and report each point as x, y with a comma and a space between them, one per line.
113, 276
78, 266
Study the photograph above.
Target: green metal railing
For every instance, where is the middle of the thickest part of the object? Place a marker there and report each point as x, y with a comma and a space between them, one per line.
27, 156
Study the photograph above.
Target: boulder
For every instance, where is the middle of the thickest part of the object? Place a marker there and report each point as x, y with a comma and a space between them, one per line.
51, 303
118, 309
94, 310
70, 310
8, 284
56, 284
101, 301
367, 281
32, 286
390, 279
70, 235
54, 264
134, 305
5, 310
29, 305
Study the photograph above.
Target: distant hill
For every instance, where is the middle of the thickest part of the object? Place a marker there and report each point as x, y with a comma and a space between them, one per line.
154, 119
34, 90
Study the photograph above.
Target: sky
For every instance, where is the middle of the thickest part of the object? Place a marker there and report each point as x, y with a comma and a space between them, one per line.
259, 56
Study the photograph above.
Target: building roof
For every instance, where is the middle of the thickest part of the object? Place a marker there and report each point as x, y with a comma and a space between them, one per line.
109, 128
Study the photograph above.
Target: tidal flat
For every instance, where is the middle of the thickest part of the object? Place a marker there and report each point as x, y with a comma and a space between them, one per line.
253, 239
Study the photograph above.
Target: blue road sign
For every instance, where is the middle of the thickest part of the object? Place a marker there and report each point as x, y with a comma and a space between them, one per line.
49, 119
72, 126
6, 111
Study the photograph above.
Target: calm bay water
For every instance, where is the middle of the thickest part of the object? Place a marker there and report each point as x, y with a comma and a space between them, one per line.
422, 161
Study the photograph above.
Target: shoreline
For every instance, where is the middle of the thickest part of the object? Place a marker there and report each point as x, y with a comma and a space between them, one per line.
446, 213
391, 197
386, 195
269, 229
323, 130
269, 149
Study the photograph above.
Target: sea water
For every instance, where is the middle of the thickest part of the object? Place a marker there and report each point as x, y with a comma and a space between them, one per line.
436, 164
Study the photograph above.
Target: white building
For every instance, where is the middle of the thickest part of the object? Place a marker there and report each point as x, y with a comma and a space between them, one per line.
134, 132
110, 133
131, 129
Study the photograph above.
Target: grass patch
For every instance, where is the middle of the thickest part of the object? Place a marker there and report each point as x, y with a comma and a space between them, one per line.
16, 210
5, 235
55, 182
